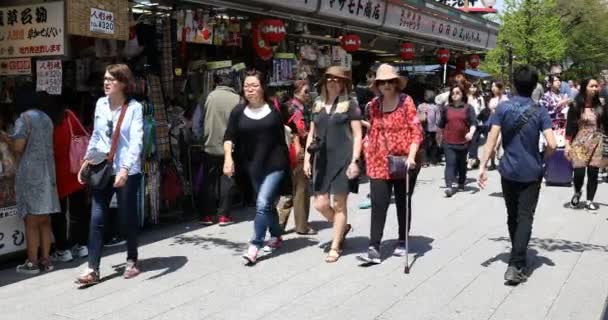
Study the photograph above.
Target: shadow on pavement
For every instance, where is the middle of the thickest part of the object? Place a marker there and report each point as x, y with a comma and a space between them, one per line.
208, 242
418, 246
289, 246
559, 245
534, 260
496, 194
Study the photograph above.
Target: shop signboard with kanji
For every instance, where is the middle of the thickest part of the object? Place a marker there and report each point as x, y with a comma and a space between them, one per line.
363, 11
407, 20
49, 76
102, 21
301, 5
32, 30
15, 67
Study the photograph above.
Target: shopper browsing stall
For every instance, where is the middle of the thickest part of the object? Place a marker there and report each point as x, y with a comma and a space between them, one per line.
35, 181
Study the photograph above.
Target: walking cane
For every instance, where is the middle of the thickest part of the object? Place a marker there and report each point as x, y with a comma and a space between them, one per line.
407, 219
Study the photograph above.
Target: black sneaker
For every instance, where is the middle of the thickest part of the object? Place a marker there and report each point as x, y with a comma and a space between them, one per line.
461, 188
515, 276
449, 192
372, 257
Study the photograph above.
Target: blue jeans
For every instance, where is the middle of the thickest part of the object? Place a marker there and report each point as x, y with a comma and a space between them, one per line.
127, 217
266, 215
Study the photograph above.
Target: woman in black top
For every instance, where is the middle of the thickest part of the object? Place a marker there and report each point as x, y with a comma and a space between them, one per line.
255, 132
336, 132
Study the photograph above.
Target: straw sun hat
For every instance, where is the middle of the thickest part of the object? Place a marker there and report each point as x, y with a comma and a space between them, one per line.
387, 72
338, 72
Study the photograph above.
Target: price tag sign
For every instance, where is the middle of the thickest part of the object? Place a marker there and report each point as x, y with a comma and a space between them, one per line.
102, 21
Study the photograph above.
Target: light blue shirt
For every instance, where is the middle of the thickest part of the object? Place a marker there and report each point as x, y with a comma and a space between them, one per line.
130, 142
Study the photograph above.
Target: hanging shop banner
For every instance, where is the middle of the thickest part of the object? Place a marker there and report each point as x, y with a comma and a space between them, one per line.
15, 67
102, 21
32, 30
403, 19
300, 5
49, 75
364, 11
195, 26
460, 4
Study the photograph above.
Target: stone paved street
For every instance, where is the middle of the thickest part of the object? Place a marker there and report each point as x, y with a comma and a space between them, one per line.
459, 248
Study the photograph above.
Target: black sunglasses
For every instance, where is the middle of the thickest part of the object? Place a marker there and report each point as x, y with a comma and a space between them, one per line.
110, 130
382, 82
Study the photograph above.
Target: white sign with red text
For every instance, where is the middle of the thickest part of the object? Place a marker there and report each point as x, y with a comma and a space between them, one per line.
32, 30
15, 67
49, 76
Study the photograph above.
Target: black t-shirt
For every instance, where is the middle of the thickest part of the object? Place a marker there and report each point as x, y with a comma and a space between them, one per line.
260, 146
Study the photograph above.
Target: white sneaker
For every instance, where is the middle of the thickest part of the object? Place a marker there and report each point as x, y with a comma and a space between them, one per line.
400, 250
62, 256
80, 251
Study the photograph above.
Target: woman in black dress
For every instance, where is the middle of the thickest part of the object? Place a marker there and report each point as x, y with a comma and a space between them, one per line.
335, 137
255, 132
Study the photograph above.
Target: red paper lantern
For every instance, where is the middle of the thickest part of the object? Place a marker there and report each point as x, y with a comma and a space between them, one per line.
474, 61
408, 51
273, 30
262, 48
443, 56
350, 42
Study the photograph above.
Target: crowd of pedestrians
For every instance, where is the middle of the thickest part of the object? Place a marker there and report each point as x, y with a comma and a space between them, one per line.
284, 154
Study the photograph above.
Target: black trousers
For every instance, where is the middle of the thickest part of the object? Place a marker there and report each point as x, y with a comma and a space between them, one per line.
380, 194
455, 165
80, 216
592, 180
218, 190
521, 200
431, 148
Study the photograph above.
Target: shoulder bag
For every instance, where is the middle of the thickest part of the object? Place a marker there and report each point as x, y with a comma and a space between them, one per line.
78, 143
100, 169
521, 122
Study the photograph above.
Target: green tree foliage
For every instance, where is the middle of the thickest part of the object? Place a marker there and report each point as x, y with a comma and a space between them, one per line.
585, 27
532, 28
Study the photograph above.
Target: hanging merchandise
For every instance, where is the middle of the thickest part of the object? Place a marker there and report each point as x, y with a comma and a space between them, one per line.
273, 30
474, 61
221, 32
408, 51
283, 69
204, 31
308, 52
234, 38
324, 59
350, 42
132, 46
443, 56
262, 48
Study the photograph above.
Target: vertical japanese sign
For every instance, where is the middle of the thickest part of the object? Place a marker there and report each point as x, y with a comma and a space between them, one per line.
49, 76
32, 30
102, 21
364, 11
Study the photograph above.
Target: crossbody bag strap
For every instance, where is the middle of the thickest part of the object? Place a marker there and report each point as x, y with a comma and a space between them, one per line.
116, 134
521, 122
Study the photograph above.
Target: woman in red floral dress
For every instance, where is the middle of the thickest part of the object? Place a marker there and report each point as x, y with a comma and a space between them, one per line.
394, 130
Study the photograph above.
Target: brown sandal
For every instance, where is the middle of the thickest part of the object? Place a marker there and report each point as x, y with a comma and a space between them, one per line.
331, 258
89, 278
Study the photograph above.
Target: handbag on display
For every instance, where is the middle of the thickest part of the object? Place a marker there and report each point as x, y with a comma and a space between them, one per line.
78, 143
100, 169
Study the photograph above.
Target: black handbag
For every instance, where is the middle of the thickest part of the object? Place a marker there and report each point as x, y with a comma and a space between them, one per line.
98, 173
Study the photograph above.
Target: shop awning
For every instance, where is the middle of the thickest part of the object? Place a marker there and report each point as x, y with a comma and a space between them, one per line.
422, 21
434, 68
